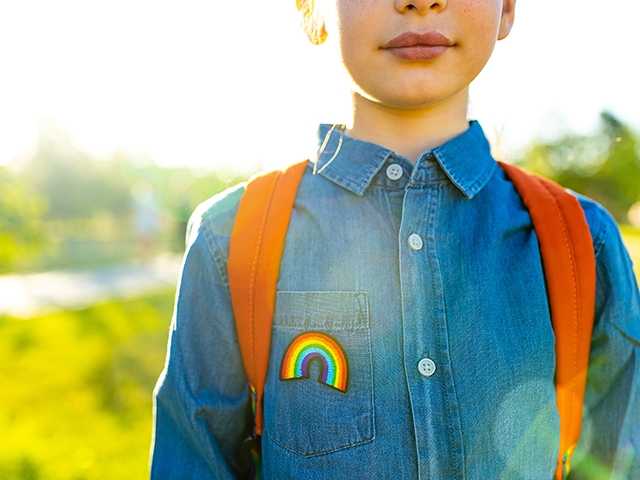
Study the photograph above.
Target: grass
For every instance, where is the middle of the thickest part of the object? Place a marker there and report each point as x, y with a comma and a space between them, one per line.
76, 390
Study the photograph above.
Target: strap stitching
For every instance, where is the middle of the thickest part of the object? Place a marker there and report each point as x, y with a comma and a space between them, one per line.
253, 270
575, 282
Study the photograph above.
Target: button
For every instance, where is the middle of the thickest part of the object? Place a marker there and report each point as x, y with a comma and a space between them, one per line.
415, 241
426, 367
394, 171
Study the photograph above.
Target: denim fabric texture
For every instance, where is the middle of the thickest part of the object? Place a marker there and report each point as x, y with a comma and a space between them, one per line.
430, 279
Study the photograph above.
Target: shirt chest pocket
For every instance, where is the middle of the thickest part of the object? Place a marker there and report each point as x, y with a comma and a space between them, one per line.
319, 390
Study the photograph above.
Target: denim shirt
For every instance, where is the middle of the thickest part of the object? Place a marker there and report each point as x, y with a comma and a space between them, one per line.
429, 279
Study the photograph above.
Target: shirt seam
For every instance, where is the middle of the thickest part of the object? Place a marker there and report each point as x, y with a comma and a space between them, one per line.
603, 274
215, 254
600, 238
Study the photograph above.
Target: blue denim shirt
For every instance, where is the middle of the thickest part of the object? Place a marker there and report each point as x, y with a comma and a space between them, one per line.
429, 278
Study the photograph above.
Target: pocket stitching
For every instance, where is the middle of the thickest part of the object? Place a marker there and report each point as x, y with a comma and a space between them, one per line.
316, 453
359, 306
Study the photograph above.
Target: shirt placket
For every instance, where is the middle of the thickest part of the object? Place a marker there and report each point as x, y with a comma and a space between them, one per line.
426, 357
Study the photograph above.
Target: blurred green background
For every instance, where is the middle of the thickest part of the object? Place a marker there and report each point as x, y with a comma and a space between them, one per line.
77, 383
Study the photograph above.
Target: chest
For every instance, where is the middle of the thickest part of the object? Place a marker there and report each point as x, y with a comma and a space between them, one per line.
419, 301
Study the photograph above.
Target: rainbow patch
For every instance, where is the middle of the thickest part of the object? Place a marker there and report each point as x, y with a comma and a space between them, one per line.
310, 346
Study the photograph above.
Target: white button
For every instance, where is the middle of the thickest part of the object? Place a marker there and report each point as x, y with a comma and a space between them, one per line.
394, 171
415, 241
426, 367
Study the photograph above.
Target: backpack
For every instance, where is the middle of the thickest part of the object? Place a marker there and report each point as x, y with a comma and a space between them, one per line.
256, 245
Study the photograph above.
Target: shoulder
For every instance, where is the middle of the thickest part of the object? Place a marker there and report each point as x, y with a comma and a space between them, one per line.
602, 224
599, 219
617, 295
215, 215
211, 222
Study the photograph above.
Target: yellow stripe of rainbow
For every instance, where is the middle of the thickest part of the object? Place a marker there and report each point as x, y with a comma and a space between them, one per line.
313, 345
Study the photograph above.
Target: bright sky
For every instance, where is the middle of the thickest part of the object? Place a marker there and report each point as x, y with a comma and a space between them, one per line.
159, 78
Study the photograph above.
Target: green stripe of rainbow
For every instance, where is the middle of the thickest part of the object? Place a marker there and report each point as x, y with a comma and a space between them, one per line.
316, 345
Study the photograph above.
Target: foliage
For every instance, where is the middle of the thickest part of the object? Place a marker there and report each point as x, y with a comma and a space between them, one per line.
74, 184
77, 390
86, 206
78, 185
21, 214
604, 166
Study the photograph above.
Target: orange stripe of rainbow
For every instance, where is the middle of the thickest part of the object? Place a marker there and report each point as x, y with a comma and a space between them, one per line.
320, 346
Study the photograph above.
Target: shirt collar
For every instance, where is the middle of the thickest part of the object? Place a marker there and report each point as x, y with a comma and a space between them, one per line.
465, 158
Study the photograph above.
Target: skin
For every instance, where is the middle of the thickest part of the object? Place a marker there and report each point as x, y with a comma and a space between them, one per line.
411, 105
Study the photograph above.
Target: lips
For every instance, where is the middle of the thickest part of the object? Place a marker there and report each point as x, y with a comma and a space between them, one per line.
413, 39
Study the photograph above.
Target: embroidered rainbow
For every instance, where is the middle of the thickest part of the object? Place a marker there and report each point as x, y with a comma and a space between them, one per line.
310, 346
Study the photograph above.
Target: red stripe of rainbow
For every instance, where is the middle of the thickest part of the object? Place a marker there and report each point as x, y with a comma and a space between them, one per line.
316, 345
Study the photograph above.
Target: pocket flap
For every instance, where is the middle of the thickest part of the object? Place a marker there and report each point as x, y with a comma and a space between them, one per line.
344, 309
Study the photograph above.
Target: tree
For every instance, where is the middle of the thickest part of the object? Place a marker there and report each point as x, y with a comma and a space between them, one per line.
604, 166
20, 218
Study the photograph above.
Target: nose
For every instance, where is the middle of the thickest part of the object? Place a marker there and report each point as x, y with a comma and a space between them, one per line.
422, 6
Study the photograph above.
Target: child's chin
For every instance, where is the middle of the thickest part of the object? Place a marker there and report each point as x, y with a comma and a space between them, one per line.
411, 93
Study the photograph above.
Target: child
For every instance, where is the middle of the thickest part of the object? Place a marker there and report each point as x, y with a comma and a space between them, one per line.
410, 248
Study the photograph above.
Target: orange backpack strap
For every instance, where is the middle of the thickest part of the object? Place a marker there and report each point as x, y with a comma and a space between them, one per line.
570, 274
253, 264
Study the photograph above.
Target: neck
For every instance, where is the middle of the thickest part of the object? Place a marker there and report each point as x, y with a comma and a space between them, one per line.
408, 132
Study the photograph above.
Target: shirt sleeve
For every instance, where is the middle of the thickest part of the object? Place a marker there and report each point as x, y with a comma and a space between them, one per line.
609, 445
201, 407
